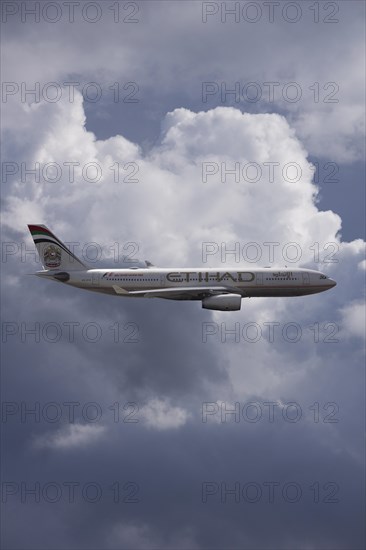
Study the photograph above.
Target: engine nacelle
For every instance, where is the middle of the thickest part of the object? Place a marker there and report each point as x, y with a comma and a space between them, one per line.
222, 302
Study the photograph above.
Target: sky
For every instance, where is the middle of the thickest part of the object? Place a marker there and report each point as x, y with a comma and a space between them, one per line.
217, 134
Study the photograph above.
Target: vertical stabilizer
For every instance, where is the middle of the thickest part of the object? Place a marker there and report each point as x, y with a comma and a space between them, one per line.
52, 252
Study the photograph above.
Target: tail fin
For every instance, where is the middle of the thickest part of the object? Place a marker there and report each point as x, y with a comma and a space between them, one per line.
52, 252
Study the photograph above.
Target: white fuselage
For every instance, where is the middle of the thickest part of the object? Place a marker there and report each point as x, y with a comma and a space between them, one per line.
244, 281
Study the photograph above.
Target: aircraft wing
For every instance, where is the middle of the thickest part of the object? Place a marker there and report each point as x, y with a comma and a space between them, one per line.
178, 293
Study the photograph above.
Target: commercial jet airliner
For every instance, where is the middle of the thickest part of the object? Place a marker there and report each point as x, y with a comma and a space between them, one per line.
219, 289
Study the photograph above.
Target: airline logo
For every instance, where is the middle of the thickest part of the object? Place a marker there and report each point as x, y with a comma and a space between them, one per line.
111, 275
236, 276
286, 274
52, 256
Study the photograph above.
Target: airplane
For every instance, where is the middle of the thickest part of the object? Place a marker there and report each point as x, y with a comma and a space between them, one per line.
217, 289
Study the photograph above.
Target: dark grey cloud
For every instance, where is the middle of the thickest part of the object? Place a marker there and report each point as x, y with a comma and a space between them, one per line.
169, 371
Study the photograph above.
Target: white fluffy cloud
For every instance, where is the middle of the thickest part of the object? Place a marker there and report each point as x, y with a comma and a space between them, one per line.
170, 211
182, 193
354, 319
73, 436
161, 415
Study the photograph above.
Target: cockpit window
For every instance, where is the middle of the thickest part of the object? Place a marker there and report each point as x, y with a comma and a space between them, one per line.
323, 277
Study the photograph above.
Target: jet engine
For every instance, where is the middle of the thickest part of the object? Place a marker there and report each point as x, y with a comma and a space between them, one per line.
222, 302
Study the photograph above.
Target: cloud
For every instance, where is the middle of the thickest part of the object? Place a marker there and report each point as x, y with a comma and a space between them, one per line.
354, 319
169, 140
191, 211
327, 116
142, 536
73, 436
160, 415
170, 371
224, 138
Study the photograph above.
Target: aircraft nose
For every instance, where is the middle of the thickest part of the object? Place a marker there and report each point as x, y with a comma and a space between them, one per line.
332, 283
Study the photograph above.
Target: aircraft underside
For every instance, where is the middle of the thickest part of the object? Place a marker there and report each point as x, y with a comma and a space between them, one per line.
252, 293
